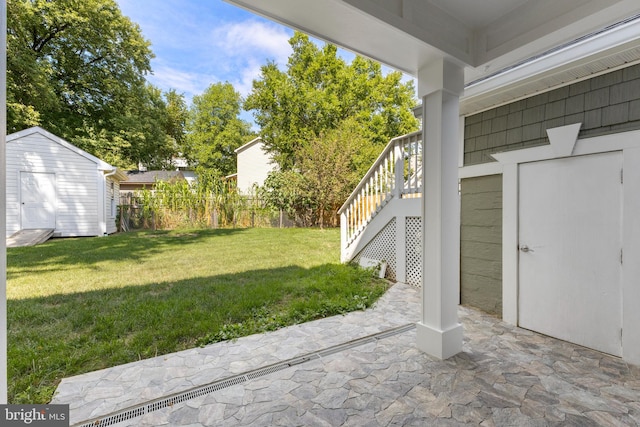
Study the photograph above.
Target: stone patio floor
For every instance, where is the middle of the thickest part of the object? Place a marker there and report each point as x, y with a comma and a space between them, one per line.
346, 370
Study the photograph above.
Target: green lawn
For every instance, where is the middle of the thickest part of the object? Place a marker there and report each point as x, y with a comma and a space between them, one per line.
77, 305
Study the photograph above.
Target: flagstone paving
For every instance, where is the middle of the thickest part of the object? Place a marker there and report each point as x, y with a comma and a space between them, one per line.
99, 393
505, 376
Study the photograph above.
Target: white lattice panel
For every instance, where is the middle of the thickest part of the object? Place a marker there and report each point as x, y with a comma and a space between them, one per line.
383, 248
414, 250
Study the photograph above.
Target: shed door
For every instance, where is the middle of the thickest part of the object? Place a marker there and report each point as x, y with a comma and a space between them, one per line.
38, 200
570, 219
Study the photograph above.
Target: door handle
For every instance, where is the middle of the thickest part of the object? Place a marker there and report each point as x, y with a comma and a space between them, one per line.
525, 248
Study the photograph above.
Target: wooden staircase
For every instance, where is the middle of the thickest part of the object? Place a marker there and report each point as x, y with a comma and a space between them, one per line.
382, 217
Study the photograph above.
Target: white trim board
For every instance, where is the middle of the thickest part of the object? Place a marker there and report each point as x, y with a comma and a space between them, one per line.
482, 169
629, 144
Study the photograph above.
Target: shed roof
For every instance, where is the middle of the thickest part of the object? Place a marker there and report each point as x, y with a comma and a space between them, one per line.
101, 164
150, 177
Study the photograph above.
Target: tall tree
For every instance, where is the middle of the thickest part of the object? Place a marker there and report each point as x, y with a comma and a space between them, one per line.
318, 91
331, 166
144, 124
77, 68
150, 132
215, 129
328, 170
177, 116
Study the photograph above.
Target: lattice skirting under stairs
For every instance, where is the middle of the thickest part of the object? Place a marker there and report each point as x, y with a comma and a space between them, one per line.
383, 247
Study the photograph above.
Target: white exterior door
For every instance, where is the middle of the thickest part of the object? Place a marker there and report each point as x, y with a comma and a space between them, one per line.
570, 240
37, 200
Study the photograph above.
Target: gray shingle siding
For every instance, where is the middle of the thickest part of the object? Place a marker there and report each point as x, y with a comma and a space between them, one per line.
481, 243
604, 104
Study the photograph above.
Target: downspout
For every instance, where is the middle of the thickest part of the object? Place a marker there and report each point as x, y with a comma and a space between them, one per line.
103, 214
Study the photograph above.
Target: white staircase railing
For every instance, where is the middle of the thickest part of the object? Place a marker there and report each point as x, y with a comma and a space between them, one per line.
397, 172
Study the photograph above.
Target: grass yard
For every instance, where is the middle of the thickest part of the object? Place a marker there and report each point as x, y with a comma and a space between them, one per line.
78, 305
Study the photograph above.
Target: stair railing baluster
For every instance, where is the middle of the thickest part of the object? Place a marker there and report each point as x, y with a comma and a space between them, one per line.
385, 179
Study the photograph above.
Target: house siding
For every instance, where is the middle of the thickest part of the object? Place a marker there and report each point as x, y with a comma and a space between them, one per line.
480, 243
254, 165
605, 104
75, 178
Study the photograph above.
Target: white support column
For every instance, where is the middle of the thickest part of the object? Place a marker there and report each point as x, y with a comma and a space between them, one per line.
3, 202
440, 85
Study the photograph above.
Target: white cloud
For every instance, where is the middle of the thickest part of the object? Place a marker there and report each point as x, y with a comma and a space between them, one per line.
232, 52
182, 81
257, 41
244, 82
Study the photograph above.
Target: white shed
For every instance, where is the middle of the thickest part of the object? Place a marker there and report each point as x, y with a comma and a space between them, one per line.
254, 164
54, 184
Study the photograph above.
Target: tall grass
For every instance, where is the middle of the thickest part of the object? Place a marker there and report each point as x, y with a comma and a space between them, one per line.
210, 202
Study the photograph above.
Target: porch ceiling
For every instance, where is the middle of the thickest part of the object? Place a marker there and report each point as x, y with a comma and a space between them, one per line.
485, 36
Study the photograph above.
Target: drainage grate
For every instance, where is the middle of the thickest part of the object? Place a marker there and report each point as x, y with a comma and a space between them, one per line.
267, 370
346, 346
155, 405
188, 395
395, 331
116, 418
168, 401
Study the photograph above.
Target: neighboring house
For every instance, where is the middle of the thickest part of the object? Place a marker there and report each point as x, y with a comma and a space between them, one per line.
254, 165
531, 144
190, 176
182, 165
146, 180
53, 184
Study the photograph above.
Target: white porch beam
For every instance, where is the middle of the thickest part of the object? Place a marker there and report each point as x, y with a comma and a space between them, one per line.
440, 85
3, 202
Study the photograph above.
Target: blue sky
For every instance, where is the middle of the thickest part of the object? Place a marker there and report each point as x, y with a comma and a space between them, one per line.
199, 42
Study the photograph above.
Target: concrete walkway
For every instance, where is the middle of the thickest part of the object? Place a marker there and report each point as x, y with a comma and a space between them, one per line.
346, 370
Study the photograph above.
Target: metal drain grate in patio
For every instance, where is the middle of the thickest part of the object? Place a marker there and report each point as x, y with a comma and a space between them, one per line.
168, 401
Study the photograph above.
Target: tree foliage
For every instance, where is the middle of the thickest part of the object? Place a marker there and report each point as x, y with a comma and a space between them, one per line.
324, 121
177, 116
286, 191
318, 91
77, 68
152, 130
215, 129
331, 167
